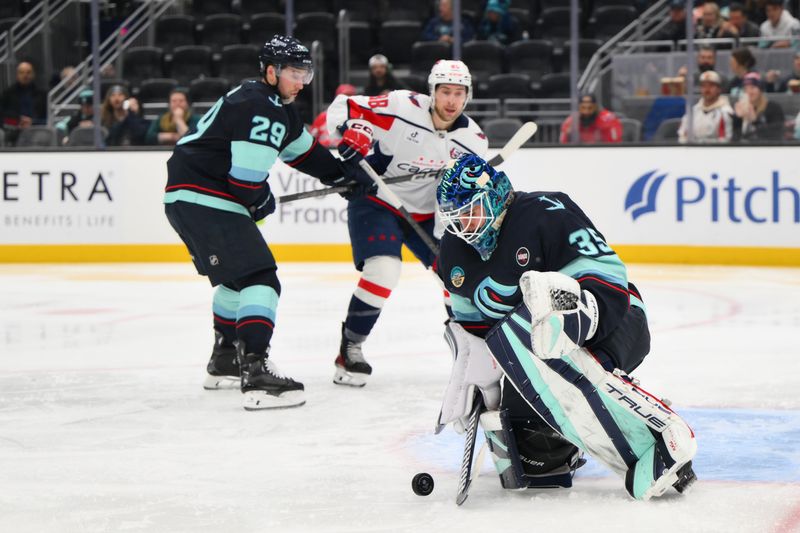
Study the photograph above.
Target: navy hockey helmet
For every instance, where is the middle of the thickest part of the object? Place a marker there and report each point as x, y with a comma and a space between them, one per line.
472, 198
282, 51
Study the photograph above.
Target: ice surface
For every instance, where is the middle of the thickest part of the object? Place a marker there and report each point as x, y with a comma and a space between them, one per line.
104, 425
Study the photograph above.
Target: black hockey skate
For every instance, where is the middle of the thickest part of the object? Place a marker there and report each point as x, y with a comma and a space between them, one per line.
264, 386
351, 367
686, 477
223, 367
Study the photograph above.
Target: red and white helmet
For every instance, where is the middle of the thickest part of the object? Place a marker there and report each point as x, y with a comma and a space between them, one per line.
449, 71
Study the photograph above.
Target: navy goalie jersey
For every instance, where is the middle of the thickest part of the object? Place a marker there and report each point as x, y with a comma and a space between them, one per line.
543, 231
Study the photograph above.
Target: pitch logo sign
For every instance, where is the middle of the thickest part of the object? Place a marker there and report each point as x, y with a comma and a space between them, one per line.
715, 198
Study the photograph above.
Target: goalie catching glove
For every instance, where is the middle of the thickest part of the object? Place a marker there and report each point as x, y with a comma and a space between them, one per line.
563, 315
473, 367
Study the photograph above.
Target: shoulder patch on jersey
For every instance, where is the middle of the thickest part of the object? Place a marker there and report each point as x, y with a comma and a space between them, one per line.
276, 100
457, 276
523, 256
413, 98
481, 135
554, 204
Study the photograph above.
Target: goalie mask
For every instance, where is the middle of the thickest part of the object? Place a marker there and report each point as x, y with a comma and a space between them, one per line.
472, 198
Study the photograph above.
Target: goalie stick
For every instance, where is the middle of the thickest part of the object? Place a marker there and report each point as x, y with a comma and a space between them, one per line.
522, 135
466, 477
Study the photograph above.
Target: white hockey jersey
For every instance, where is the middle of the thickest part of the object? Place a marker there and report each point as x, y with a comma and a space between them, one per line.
406, 141
712, 124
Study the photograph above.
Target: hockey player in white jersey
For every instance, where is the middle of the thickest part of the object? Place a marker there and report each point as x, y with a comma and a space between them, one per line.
407, 132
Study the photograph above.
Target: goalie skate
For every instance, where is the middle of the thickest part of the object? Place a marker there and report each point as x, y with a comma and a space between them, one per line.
223, 367
351, 367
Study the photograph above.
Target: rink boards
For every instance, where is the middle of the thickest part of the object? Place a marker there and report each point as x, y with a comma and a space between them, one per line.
723, 205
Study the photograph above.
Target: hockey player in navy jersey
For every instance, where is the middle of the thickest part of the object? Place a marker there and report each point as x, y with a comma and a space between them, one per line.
411, 133
216, 192
548, 328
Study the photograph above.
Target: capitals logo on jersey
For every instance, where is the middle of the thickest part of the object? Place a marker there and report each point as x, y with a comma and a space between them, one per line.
455, 154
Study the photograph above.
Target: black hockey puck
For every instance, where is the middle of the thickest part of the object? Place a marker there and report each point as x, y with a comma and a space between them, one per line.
422, 484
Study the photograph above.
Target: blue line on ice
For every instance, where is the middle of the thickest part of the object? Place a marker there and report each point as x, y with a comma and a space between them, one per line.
733, 445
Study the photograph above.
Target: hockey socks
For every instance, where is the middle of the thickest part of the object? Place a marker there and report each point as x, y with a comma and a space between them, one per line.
255, 317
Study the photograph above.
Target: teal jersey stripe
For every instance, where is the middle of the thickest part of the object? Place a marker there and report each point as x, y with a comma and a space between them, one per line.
608, 268
226, 302
206, 200
297, 147
258, 300
464, 310
541, 387
246, 174
250, 161
638, 303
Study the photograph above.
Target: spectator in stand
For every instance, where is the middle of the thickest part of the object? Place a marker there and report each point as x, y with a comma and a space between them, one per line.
83, 117
742, 62
706, 60
596, 125
497, 24
120, 116
737, 26
779, 23
710, 23
175, 123
440, 27
756, 10
381, 78
23, 104
712, 115
675, 29
788, 84
319, 128
757, 118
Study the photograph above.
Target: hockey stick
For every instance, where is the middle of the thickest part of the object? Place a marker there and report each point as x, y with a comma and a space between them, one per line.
522, 135
466, 477
398, 204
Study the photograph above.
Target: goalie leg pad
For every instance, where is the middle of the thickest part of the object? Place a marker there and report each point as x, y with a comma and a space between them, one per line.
602, 413
528, 454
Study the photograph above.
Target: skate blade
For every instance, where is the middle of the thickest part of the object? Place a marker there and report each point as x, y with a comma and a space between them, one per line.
222, 382
259, 400
680, 475
350, 379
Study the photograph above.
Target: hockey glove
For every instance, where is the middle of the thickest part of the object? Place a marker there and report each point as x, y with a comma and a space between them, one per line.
356, 140
265, 205
355, 144
473, 366
563, 316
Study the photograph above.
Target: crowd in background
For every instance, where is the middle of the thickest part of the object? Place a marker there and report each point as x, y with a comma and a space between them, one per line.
732, 109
